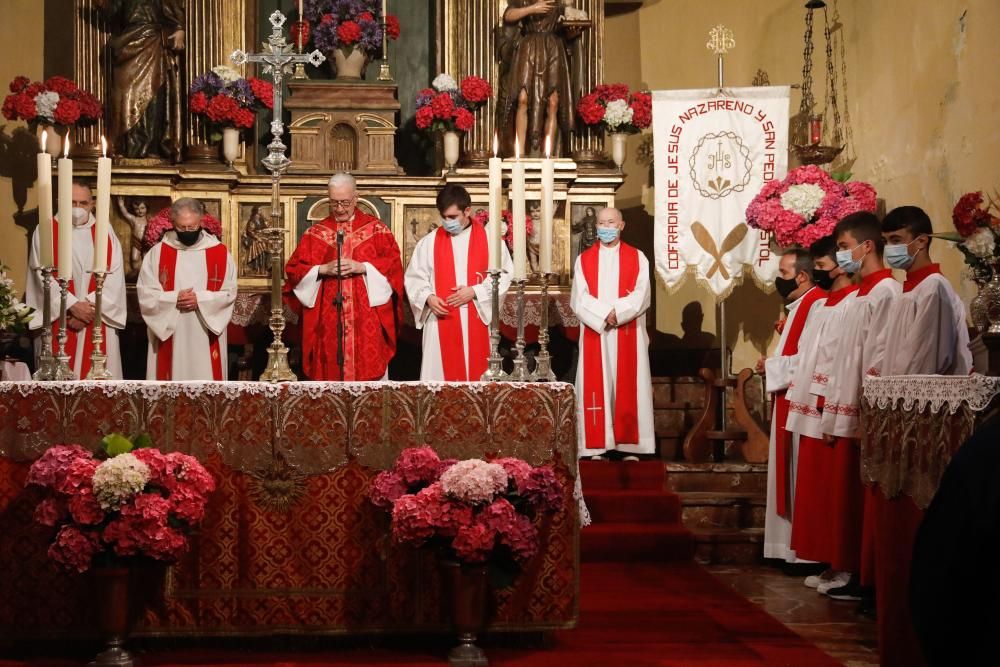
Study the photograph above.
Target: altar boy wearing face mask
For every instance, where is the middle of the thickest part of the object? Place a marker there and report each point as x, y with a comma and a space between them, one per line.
448, 285
926, 332
81, 297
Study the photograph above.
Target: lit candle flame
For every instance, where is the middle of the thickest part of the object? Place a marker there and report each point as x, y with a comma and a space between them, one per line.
496, 144
66, 147
104, 146
45, 140
548, 146
517, 149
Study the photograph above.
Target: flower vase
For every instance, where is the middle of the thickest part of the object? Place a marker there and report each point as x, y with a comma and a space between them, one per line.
112, 614
350, 66
618, 140
54, 138
466, 589
977, 306
230, 145
991, 296
452, 150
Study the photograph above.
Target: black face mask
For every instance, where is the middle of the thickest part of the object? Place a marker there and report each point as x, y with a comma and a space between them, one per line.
785, 286
189, 238
822, 278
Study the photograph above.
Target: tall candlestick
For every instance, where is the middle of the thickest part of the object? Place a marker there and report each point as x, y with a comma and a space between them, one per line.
302, 19
520, 232
548, 187
45, 204
65, 259
103, 226
496, 217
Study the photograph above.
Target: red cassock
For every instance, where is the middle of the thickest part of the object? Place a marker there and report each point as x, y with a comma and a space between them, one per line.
369, 332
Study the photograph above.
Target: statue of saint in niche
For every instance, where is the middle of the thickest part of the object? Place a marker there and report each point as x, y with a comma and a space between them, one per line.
536, 93
145, 95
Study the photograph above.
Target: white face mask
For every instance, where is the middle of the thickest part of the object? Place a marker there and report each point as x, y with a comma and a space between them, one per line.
80, 216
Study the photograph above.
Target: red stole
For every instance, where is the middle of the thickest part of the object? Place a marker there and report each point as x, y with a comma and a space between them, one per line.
88, 342
215, 258
450, 336
783, 439
626, 409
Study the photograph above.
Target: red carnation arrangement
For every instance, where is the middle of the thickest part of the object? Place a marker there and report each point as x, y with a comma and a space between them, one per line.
58, 101
348, 32
616, 109
348, 25
161, 223
125, 501
978, 230
448, 106
226, 99
474, 511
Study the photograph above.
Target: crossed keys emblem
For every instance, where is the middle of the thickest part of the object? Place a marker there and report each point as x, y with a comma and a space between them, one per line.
705, 240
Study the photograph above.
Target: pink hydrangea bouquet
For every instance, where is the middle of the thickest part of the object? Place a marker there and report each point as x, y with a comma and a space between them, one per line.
161, 223
474, 511
805, 206
507, 229
125, 501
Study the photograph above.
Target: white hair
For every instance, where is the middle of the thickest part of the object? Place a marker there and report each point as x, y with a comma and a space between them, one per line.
612, 209
342, 178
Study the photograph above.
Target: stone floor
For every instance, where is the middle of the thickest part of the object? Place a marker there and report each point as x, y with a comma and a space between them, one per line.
833, 626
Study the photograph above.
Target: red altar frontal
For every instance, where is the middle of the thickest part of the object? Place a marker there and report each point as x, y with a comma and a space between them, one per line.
290, 543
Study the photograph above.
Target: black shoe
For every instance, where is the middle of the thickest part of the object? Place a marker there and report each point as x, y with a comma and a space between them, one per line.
852, 591
802, 570
867, 608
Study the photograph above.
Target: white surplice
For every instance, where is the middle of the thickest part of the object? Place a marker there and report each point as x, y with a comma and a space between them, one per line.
780, 371
926, 332
191, 353
592, 313
815, 364
113, 306
863, 324
419, 281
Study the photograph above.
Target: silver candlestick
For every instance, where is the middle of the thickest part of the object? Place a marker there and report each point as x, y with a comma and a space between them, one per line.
520, 373
98, 360
543, 362
46, 362
494, 372
62, 369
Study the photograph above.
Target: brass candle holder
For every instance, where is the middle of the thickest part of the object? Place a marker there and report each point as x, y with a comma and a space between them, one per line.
543, 361
277, 369
98, 360
520, 372
62, 369
46, 362
494, 371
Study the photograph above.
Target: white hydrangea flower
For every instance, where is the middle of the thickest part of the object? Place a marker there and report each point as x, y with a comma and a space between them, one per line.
803, 199
118, 479
226, 73
617, 113
981, 244
45, 105
444, 82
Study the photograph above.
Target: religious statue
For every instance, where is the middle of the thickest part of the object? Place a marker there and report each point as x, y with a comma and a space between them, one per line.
536, 97
136, 214
534, 239
254, 244
145, 101
584, 231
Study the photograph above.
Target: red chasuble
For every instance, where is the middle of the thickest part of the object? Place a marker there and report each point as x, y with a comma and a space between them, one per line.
626, 409
216, 259
783, 439
369, 333
450, 335
88, 332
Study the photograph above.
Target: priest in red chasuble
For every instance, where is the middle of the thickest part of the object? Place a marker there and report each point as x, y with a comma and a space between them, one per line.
370, 277
613, 386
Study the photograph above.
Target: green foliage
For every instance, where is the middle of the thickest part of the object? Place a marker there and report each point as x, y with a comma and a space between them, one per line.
115, 443
841, 176
142, 441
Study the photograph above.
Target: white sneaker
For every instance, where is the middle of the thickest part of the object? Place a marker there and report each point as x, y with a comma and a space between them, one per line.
839, 580
631, 458
815, 580
597, 457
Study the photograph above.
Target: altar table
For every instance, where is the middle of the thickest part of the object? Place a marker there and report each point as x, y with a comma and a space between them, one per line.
290, 543
912, 426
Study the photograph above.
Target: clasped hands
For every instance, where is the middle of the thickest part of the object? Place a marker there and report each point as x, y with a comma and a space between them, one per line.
187, 300
80, 315
459, 296
348, 268
611, 320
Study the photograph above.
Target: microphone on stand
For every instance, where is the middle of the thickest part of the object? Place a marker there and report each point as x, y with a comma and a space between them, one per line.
339, 303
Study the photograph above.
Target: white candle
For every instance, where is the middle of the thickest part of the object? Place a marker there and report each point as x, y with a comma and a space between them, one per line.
65, 259
495, 197
520, 232
103, 210
45, 205
548, 187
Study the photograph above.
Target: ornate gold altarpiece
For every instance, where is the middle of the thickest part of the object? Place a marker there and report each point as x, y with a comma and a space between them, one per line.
405, 203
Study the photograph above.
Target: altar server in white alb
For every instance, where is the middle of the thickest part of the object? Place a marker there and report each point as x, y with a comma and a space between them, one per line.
81, 298
805, 299
450, 291
187, 287
613, 387
926, 332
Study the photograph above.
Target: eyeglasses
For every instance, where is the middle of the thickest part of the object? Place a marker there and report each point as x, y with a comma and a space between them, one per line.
341, 203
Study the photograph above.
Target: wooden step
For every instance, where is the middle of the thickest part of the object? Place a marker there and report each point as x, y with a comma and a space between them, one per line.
719, 510
717, 477
727, 546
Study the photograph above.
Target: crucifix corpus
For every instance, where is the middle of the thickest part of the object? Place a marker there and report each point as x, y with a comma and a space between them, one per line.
278, 59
